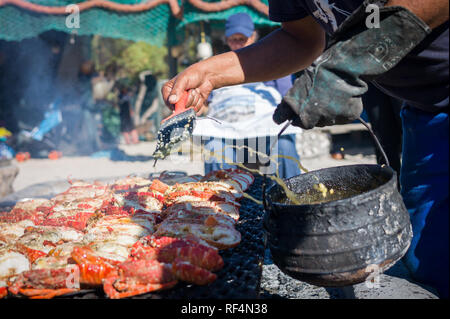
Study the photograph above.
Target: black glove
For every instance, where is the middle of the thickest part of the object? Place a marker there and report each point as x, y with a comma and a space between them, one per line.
329, 92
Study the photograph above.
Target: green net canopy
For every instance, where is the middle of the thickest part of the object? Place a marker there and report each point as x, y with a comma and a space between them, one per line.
150, 26
192, 15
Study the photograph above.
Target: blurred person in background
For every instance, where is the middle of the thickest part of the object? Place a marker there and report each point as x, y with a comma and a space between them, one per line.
236, 103
91, 119
127, 127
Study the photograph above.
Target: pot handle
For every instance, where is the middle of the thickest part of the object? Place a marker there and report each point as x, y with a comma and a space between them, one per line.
377, 142
267, 202
264, 199
266, 208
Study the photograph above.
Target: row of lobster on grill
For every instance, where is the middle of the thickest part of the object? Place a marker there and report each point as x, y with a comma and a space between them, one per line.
132, 236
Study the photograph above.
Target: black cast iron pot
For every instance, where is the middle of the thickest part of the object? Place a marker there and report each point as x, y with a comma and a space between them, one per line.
362, 227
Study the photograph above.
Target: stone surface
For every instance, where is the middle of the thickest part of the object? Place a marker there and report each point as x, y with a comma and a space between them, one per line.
394, 284
313, 143
8, 174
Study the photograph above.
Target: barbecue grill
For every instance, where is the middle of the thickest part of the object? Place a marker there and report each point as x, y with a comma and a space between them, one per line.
240, 277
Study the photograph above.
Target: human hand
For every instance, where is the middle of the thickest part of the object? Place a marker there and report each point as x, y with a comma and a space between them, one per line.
194, 80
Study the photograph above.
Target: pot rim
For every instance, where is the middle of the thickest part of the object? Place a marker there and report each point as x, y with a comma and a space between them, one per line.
361, 197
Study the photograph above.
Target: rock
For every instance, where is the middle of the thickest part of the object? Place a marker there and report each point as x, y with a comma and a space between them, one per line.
389, 287
313, 143
8, 173
394, 284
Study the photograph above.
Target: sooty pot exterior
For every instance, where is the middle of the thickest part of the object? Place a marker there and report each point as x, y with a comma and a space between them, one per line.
341, 242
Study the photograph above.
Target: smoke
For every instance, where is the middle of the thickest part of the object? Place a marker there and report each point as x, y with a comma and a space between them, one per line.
28, 78
42, 71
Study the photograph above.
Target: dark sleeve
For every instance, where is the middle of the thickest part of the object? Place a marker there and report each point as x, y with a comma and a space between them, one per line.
287, 10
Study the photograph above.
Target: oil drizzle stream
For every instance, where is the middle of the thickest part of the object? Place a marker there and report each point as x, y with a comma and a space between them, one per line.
221, 158
291, 195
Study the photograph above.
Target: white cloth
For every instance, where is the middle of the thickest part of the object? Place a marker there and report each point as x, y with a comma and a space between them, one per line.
245, 111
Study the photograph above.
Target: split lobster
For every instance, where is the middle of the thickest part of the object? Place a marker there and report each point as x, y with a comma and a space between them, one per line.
154, 263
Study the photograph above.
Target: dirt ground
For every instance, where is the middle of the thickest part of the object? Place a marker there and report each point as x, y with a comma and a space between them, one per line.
138, 161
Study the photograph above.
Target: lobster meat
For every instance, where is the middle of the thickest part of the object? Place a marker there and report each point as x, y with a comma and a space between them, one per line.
135, 277
221, 188
243, 178
220, 236
167, 249
45, 283
223, 208
154, 263
34, 210
157, 263
131, 237
3, 292
186, 196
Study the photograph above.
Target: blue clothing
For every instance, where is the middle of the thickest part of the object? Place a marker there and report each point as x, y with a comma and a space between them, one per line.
281, 84
421, 78
286, 143
285, 146
213, 164
287, 167
239, 103
424, 186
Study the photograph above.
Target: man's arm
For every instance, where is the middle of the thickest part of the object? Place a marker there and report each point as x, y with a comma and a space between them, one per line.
432, 12
287, 50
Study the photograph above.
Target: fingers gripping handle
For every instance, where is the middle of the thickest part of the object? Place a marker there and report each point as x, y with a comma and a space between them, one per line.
180, 106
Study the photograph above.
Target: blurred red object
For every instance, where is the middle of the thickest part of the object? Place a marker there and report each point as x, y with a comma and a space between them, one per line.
22, 156
338, 156
54, 155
